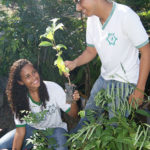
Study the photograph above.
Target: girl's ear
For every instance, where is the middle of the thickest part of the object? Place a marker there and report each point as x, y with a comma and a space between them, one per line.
20, 82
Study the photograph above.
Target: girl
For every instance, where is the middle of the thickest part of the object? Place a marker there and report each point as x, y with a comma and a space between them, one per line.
27, 91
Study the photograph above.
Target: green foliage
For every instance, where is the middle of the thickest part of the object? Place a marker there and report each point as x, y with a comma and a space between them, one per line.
81, 113
33, 117
116, 133
145, 17
19, 38
41, 138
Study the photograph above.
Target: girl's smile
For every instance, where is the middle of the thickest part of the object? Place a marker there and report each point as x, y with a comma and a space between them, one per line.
29, 77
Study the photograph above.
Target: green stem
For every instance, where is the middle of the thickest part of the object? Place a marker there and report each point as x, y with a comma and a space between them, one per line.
69, 80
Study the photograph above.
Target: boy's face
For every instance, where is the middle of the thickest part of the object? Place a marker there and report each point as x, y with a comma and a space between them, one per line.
86, 6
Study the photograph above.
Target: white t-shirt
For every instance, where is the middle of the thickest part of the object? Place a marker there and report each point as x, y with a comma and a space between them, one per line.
117, 42
57, 101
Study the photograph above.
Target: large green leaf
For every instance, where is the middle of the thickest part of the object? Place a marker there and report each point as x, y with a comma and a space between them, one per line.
45, 43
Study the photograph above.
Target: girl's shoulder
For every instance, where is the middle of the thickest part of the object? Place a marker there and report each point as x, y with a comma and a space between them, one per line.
53, 86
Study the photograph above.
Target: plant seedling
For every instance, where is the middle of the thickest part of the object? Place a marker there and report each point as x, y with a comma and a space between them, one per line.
49, 35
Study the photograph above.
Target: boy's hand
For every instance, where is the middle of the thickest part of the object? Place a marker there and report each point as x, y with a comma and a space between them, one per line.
71, 65
136, 98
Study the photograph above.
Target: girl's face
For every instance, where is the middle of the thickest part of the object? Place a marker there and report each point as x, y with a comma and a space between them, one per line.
29, 77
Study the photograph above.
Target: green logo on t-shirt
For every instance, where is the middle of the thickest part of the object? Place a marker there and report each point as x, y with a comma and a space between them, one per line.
111, 38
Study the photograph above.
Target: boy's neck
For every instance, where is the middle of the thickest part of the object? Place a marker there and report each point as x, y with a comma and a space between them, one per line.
104, 11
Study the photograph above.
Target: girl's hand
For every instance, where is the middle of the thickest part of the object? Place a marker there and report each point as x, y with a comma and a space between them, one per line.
76, 96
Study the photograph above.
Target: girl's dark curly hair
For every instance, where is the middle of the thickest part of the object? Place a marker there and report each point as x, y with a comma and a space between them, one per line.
18, 94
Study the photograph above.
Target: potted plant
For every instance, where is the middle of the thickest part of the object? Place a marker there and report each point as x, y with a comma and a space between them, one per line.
50, 41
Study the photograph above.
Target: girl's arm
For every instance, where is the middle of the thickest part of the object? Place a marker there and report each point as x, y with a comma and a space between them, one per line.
74, 108
18, 138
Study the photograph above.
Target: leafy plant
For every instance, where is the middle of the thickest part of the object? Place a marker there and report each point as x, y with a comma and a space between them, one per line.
41, 141
116, 133
50, 31
41, 138
31, 117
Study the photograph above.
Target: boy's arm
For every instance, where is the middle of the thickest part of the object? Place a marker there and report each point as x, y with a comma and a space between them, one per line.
138, 93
